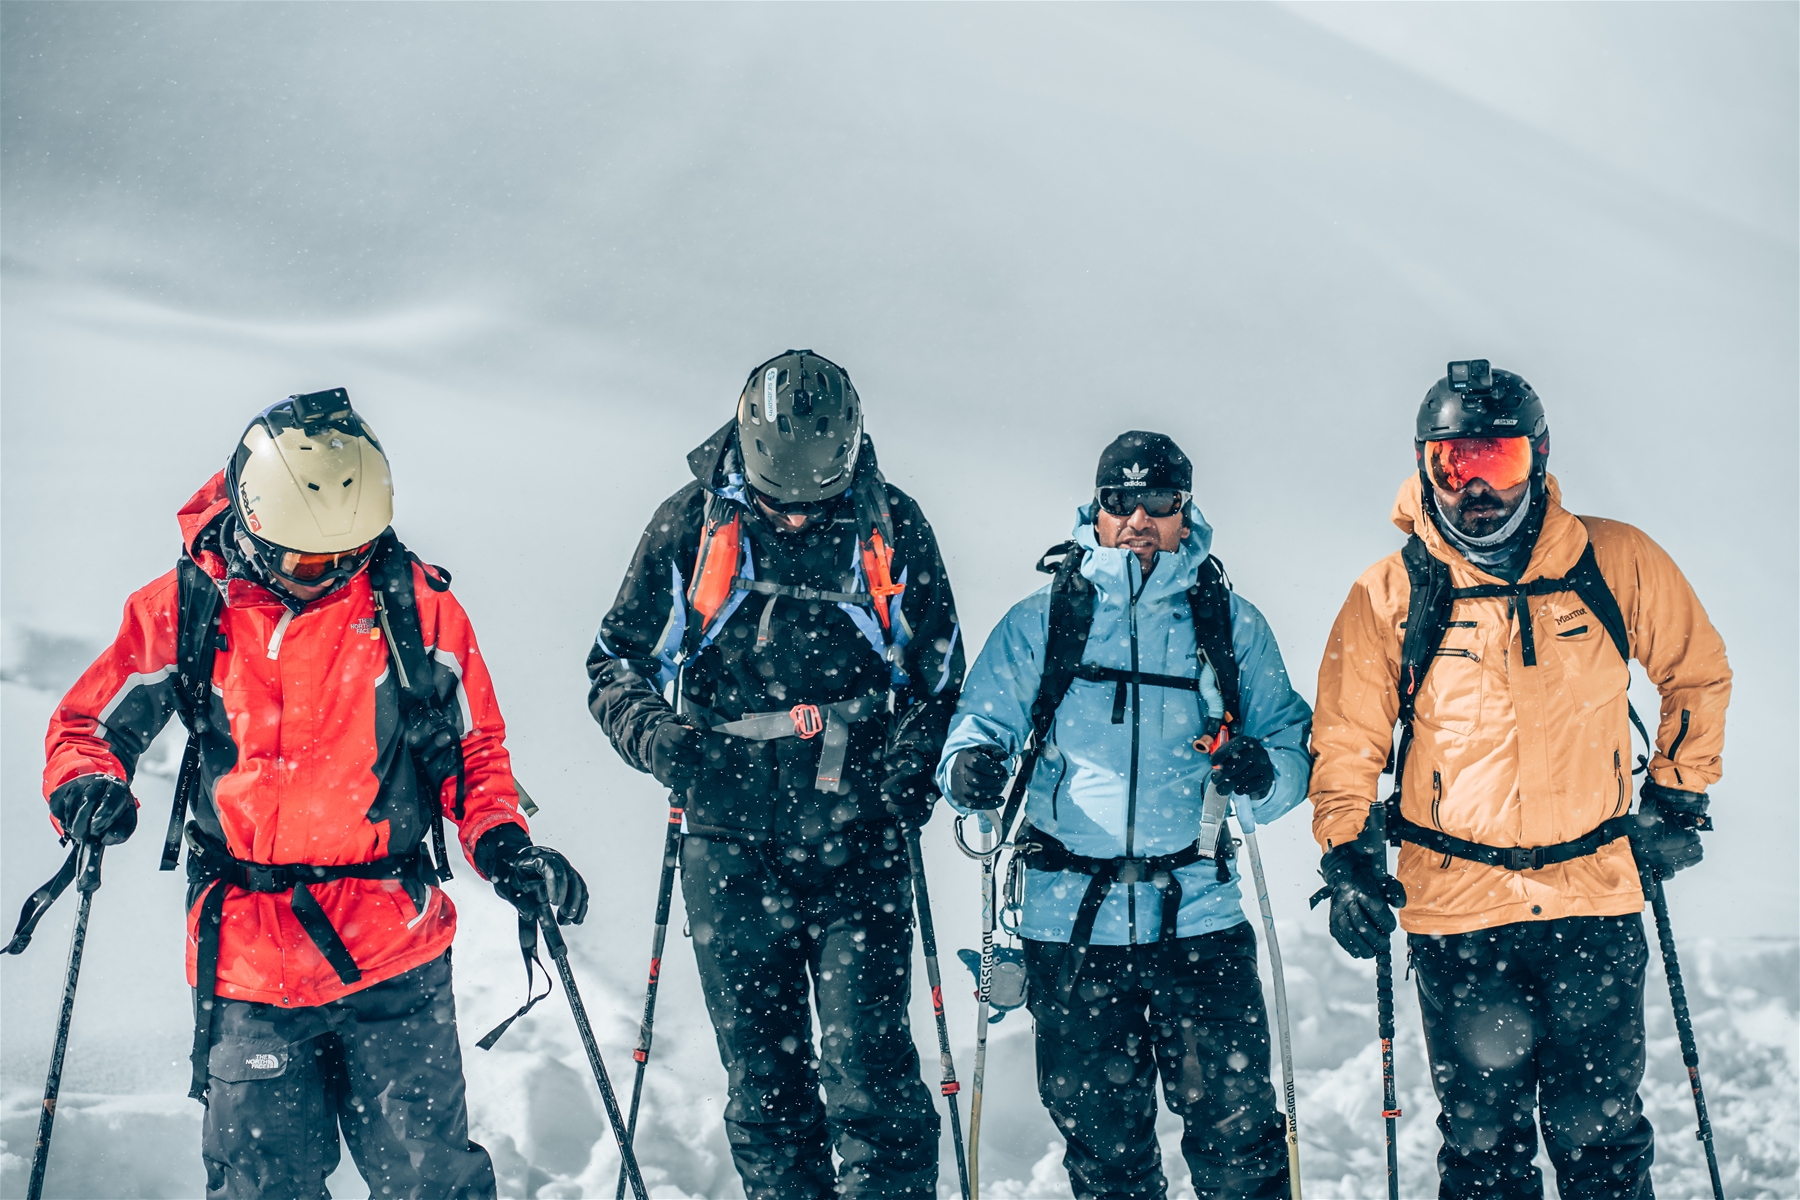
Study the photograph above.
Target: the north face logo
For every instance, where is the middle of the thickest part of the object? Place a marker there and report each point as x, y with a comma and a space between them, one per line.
1136, 475
264, 1062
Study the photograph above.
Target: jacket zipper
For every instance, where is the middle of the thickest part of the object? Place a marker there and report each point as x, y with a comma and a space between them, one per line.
1675, 745
1619, 777
1437, 797
1132, 785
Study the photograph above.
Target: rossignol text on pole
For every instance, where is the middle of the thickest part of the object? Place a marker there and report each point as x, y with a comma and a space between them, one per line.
984, 993
928, 939
1684, 1025
1384, 1016
1247, 823
83, 861
665, 891
559, 951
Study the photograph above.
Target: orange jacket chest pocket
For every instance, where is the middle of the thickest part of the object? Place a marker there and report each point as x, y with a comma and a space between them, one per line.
1572, 642
1456, 681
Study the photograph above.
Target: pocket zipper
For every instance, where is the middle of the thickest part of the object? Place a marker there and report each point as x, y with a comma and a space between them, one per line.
1575, 632
1437, 796
1619, 776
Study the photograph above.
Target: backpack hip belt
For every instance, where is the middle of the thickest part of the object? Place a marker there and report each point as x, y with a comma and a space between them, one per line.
1512, 858
209, 862
805, 721
1040, 851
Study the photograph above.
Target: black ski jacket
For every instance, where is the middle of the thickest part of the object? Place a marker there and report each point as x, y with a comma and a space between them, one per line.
809, 652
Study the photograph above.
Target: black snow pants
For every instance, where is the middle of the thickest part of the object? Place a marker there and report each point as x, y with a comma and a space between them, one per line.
382, 1064
770, 925
1191, 1010
1544, 1015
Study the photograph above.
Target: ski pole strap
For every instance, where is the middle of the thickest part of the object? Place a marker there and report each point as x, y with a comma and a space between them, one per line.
1512, 858
39, 902
1042, 852
212, 867
528, 944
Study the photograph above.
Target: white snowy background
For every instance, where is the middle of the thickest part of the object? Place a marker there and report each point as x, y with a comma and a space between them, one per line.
541, 246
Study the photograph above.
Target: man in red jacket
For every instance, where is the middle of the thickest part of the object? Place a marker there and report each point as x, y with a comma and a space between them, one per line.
318, 941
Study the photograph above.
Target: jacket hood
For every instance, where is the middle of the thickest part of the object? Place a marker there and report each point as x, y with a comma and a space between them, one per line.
1409, 516
201, 510
707, 460
1111, 568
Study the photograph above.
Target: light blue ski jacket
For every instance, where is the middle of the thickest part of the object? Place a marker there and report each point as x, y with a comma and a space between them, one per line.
1085, 791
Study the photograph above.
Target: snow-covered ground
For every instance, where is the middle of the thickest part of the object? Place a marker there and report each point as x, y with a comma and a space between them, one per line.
541, 244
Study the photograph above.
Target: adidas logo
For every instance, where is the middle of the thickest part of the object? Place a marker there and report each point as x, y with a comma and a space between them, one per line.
1136, 475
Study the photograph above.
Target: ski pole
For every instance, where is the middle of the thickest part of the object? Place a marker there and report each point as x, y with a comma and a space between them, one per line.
1684, 1025
1384, 1002
984, 993
89, 883
928, 938
665, 891
1247, 823
559, 950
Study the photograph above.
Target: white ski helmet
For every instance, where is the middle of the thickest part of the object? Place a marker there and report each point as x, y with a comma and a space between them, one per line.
311, 486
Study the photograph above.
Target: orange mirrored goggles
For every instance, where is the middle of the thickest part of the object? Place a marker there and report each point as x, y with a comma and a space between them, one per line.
1457, 462
305, 568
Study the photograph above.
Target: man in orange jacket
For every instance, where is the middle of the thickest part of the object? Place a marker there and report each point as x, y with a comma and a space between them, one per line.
318, 941
1498, 640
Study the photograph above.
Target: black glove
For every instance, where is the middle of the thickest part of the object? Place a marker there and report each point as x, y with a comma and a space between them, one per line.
1243, 766
1669, 821
906, 786
531, 878
678, 751
1362, 894
95, 808
978, 776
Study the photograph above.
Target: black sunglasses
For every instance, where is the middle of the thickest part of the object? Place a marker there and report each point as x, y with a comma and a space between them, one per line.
1156, 502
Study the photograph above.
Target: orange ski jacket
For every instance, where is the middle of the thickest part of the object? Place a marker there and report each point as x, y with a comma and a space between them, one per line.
310, 768
1509, 755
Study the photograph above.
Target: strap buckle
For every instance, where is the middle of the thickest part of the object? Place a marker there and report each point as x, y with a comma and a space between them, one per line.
1524, 858
261, 877
807, 721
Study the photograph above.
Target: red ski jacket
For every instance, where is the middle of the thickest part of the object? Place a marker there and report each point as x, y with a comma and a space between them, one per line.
320, 774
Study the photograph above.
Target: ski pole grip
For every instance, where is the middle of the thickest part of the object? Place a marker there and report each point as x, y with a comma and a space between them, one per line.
89, 883
553, 938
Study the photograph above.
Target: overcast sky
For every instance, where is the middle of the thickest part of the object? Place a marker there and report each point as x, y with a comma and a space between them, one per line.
542, 246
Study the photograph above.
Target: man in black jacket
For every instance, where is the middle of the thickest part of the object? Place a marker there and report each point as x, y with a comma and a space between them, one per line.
794, 606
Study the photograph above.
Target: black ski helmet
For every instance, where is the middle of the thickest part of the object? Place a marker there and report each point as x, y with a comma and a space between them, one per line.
1475, 400
799, 426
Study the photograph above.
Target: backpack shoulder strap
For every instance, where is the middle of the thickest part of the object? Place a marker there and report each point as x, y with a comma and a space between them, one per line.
197, 607
1209, 600
1427, 620
397, 608
428, 727
1071, 617
1588, 583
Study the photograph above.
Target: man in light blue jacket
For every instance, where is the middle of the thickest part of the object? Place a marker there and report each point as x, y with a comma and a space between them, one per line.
1138, 955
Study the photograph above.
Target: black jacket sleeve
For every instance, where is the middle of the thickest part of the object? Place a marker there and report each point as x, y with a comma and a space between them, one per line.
633, 657
933, 655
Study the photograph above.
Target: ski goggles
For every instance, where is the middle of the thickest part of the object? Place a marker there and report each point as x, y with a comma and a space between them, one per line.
311, 569
1156, 502
1457, 462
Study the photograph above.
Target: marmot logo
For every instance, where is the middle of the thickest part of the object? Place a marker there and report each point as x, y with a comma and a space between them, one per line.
1565, 618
